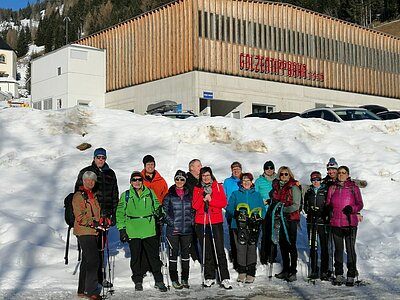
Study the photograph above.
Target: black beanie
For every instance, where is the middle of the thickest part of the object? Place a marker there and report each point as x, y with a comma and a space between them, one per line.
180, 173
148, 158
269, 164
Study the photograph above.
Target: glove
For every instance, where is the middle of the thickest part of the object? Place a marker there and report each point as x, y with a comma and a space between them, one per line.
96, 225
347, 210
123, 236
105, 222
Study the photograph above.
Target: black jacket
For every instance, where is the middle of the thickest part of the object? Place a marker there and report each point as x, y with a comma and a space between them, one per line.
179, 212
106, 188
191, 182
314, 205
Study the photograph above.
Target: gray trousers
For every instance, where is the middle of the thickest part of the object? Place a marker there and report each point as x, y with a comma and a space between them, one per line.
246, 256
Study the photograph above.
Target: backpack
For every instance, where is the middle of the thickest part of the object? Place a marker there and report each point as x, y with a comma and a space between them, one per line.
69, 210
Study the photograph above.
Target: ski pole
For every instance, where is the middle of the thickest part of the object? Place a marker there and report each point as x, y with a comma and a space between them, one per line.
204, 245
214, 246
111, 290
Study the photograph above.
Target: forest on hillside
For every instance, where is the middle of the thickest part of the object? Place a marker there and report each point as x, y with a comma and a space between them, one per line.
62, 21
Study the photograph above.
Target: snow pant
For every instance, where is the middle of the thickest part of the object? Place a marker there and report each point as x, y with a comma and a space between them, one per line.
319, 230
182, 242
195, 249
348, 234
288, 248
246, 257
150, 248
89, 265
233, 252
210, 263
145, 264
268, 249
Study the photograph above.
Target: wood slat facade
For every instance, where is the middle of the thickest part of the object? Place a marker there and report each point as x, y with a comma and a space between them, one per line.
262, 40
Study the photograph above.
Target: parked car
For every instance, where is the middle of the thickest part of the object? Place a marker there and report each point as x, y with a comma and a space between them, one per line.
339, 114
178, 115
280, 115
389, 115
374, 108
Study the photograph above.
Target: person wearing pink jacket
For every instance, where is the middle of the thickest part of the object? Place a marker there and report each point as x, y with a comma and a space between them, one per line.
345, 201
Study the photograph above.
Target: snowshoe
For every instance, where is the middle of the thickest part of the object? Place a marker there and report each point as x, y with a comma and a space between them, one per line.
241, 221
254, 224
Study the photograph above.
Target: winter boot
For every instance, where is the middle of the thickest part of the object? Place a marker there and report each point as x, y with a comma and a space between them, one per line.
339, 280
209, 282
138, 286
160, 286
226, 284
241, 277
350, 281
177, 285
291, 277
106, 284
281, 275
185, 284
249, 279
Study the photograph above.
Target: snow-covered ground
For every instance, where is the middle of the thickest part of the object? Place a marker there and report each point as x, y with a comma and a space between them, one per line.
39, 163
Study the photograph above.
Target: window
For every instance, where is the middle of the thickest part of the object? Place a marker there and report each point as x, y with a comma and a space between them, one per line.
2, 59
48, 104
259, 108
59, 71
59, 103
37, 105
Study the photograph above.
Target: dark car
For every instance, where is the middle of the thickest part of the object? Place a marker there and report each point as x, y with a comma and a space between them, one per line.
389, 115
374, 108
280, 115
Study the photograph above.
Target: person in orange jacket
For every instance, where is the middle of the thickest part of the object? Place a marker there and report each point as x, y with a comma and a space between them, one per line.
152, 179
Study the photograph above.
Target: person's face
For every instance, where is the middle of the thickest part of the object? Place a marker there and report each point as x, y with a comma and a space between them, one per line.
195, 168
206, 177
269, 171
180, 182
89, 183
316, 182
100, 160
149, 167
332, 173
246, 183
284, 175
342, 175
137, 182
236, 172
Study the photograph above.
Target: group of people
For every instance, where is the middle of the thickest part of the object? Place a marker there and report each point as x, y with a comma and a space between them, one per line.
192, 209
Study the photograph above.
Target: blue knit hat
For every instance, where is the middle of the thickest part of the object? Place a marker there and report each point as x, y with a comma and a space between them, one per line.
332, 164
100, 151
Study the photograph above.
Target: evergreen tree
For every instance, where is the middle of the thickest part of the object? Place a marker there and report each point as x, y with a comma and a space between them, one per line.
22, 44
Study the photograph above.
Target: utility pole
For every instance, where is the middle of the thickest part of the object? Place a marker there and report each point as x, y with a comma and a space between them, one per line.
66, 20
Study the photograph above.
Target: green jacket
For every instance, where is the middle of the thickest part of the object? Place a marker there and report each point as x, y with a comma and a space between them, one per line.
136, 216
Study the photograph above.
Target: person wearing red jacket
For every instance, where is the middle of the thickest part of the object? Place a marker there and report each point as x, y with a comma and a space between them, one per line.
345, 202
208, 201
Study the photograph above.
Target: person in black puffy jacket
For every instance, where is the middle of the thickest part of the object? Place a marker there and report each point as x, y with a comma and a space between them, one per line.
317, 226
179, 217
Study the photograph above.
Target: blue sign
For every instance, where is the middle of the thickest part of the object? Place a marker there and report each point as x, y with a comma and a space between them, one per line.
178, 108
208, 95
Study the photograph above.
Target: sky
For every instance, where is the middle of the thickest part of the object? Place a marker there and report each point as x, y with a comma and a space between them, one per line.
39, 163
14, 4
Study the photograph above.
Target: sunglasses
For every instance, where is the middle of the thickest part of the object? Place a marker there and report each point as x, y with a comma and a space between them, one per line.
315, 179
101, 157
284, 174
137, 179
269, 168
180, 179
342, 172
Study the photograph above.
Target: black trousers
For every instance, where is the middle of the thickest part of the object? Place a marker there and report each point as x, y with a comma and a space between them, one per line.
182, 242
348, 235
150, 247
89, 265
246, 257
210, 261
289, 250
268, 249
318, 232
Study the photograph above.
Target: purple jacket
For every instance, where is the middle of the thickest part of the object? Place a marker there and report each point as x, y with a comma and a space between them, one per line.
341, 195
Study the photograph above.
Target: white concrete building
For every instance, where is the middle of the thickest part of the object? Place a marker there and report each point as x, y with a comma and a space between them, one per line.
69, 76
8, 72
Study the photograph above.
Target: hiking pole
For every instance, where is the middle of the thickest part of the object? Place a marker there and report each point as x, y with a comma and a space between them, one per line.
111, 290
164, 256
67, 246
214, 246
204, 244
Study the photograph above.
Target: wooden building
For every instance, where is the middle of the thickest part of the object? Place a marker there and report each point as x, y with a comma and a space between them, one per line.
276, 53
